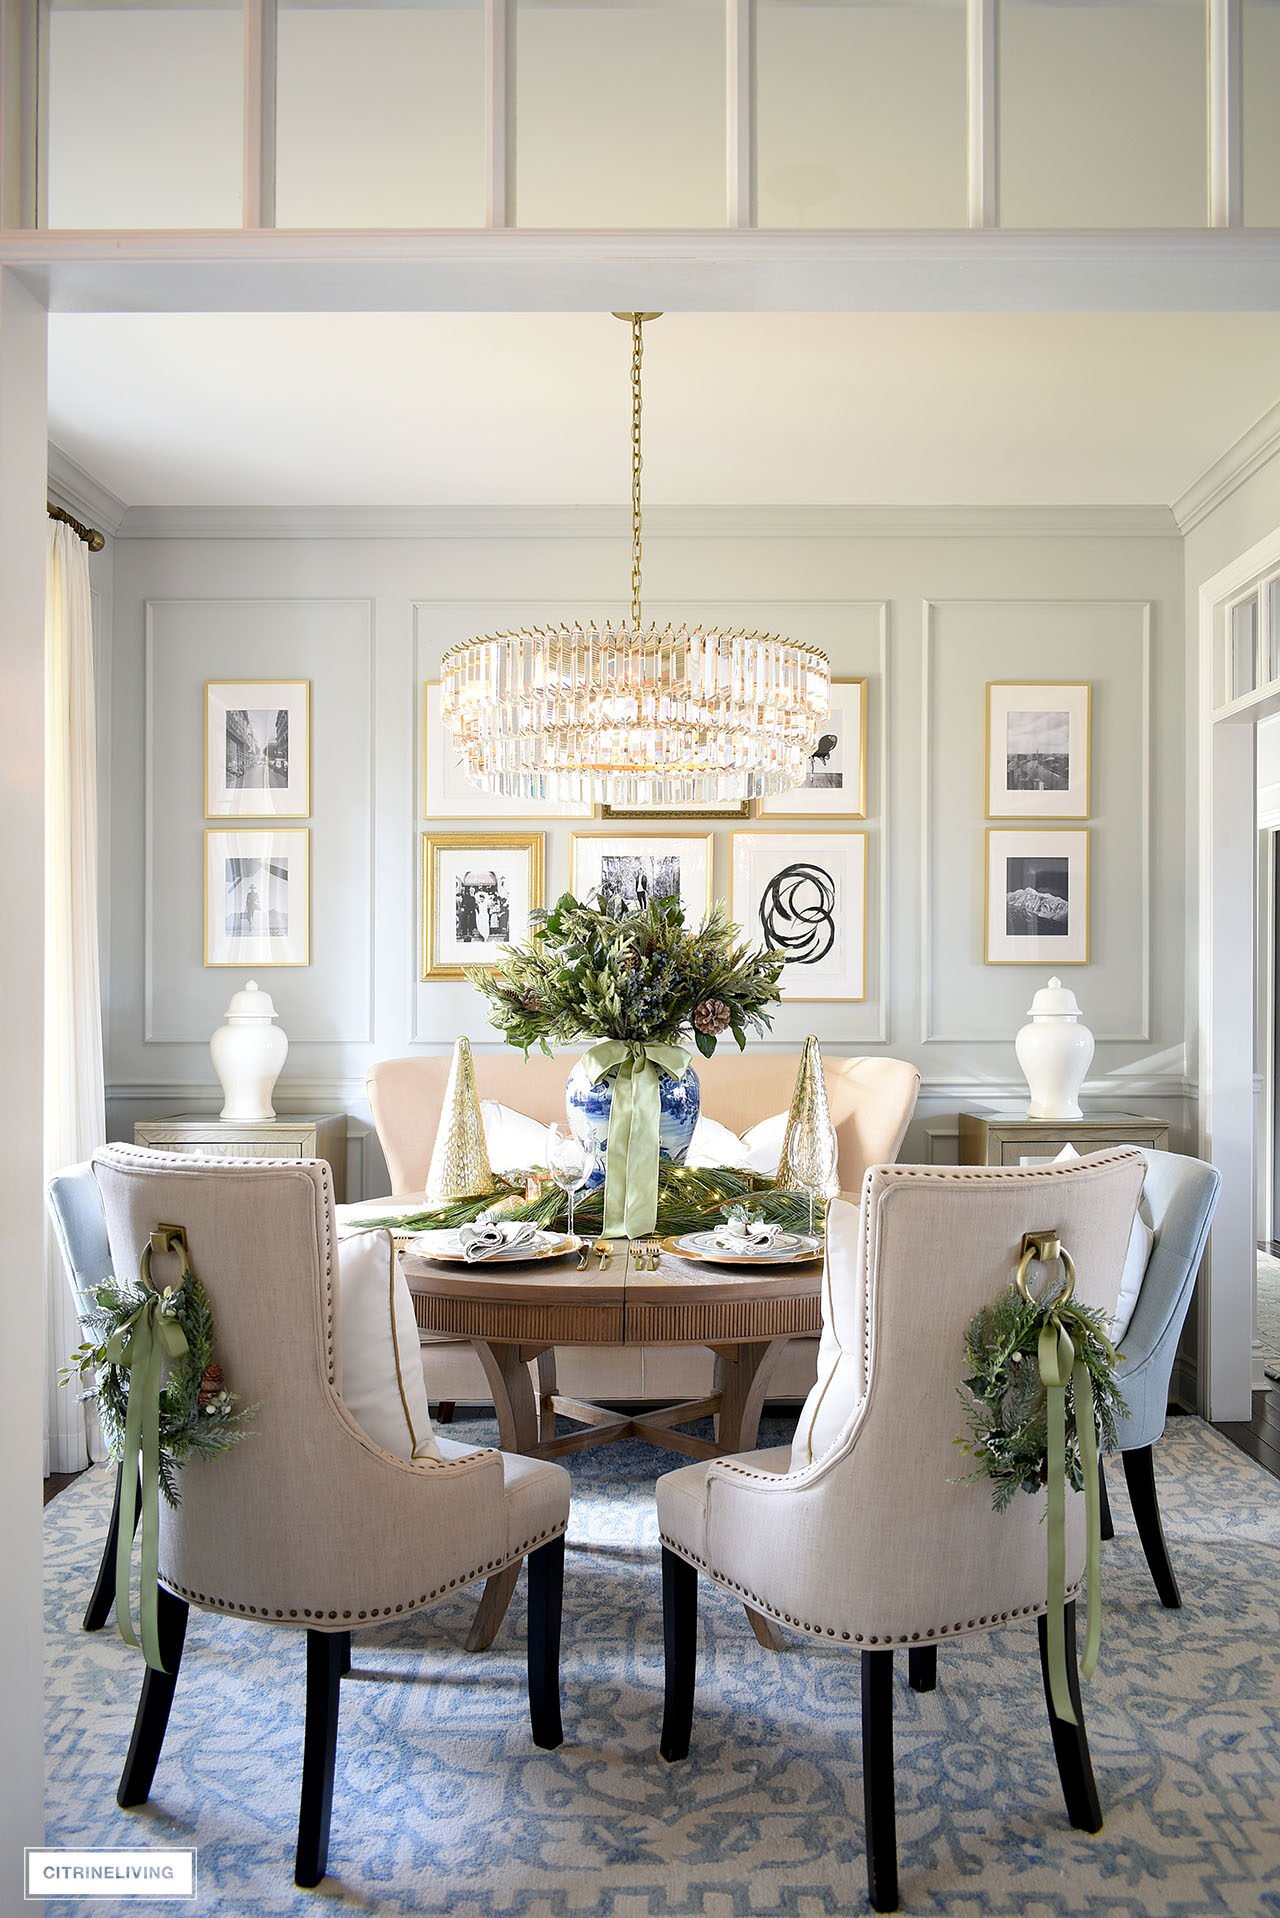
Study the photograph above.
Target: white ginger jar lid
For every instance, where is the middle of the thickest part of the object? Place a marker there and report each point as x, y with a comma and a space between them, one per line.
250, 1003
1054, 1001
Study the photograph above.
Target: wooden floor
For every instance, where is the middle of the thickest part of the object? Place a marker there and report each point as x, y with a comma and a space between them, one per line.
58, 1482
1260, 1437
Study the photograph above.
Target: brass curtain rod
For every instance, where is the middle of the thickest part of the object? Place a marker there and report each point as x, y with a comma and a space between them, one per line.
92, 538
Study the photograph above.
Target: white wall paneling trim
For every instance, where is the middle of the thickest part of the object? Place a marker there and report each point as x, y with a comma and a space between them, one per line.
259, 113
663, 522
1221, 479
357, 904
499, 114
1225, 119
1142, 1034
78, 492
690, 271
982, 101
740, 112
19, 90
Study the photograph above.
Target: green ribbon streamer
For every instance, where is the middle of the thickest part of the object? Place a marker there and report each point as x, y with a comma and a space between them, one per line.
140, 1347
1059, 1367
631, 1164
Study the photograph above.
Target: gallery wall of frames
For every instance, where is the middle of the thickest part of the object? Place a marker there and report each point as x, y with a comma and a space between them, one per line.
998, 795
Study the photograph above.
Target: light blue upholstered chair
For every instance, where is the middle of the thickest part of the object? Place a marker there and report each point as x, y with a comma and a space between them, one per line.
1178, 1196
80, 1227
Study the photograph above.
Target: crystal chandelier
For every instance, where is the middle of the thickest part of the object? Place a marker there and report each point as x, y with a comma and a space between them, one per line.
633, 715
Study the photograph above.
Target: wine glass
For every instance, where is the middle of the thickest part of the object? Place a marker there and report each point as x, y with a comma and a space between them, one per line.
811, 1152
570, 1164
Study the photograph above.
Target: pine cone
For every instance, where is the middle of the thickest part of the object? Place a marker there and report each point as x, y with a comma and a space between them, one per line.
711, 1017
211, 1384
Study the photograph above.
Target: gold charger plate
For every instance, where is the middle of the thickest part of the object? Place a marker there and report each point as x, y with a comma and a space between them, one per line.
566, 1243
679, 1251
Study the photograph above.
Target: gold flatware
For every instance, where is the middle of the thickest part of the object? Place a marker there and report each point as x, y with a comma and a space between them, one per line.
606, 1249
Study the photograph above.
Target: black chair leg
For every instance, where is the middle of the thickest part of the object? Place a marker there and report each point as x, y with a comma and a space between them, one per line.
1106, 1527
344, 1659
680, 1648
445, 1411
878, 1802
152, 1718
546, 1597
922, 1668
1070, 1745
326, 1653
104, 1587
1140, 1477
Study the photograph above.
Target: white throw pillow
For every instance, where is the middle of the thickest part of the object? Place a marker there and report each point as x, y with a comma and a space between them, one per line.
514, 1140
758, 1150
1141, 1240
380, 1376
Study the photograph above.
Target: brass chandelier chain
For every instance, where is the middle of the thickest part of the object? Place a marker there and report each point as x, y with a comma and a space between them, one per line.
637, 354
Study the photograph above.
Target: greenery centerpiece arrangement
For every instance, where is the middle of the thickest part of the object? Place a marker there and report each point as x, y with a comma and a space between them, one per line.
1041, 1398
638, 985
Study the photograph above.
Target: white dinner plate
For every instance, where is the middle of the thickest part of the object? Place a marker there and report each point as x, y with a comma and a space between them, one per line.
445, 1245
791, 1248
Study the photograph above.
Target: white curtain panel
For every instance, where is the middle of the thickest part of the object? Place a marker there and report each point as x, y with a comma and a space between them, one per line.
74, 1104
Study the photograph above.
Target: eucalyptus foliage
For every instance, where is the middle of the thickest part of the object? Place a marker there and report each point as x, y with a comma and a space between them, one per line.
601, 971
198, 1416
1005, 1399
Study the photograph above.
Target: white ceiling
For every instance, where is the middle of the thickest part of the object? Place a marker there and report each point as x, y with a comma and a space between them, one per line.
743, 408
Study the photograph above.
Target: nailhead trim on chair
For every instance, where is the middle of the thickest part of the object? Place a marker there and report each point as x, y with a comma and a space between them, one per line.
374, 1612
987, 1622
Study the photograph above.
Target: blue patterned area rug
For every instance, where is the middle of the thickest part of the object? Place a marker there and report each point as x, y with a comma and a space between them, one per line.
443, 1805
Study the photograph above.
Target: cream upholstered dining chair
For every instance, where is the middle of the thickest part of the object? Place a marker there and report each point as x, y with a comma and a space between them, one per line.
860, 1534
871, 1103
308, 1524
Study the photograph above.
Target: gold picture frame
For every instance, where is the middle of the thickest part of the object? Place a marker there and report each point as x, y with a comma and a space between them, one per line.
1043, 702
229, 896
488, 913
1005, 948
293, 800
804, 802
696, 899
732, 809
776, 848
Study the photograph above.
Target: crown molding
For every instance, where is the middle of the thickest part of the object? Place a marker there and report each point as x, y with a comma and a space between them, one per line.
1230, 470
80, 493
667, 522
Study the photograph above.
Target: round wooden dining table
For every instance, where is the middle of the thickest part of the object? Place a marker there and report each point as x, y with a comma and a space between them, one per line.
514, 1314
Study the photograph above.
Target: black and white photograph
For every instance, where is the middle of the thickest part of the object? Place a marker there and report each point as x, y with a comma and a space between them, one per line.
481, 907
1038, 749
805, 895
834, 785
257, 748
257, 898
1037, 752
632, 870
478, 890
1037, 896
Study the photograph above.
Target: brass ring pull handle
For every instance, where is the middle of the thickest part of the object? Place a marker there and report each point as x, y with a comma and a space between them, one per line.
1044, 1247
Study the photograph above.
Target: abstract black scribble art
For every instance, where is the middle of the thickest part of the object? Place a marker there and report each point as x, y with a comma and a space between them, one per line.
798, 914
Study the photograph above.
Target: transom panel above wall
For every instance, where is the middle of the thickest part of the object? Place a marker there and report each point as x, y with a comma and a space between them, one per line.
969, 645
854, 635
328, 643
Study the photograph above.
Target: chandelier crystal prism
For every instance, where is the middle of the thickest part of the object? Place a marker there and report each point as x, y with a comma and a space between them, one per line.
633, 715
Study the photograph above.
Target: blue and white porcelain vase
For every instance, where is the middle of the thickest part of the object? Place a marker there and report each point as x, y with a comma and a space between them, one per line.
588, 1104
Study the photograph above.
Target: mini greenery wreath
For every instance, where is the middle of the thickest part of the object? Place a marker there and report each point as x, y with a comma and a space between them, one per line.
198, 1415
1007, 1402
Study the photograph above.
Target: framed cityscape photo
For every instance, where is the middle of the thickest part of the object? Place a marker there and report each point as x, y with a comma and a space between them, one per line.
633, 869
478, 890
805, 894
257, 748
447, 793
257, 897
835, 779
1037, 896
1038, 749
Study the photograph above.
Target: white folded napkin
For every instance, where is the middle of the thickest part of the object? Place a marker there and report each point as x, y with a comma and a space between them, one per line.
487, 1236
747, 1235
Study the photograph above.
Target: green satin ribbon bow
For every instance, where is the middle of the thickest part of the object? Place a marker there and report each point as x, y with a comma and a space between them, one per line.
140, 1346
631, 1165
1059, 1367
